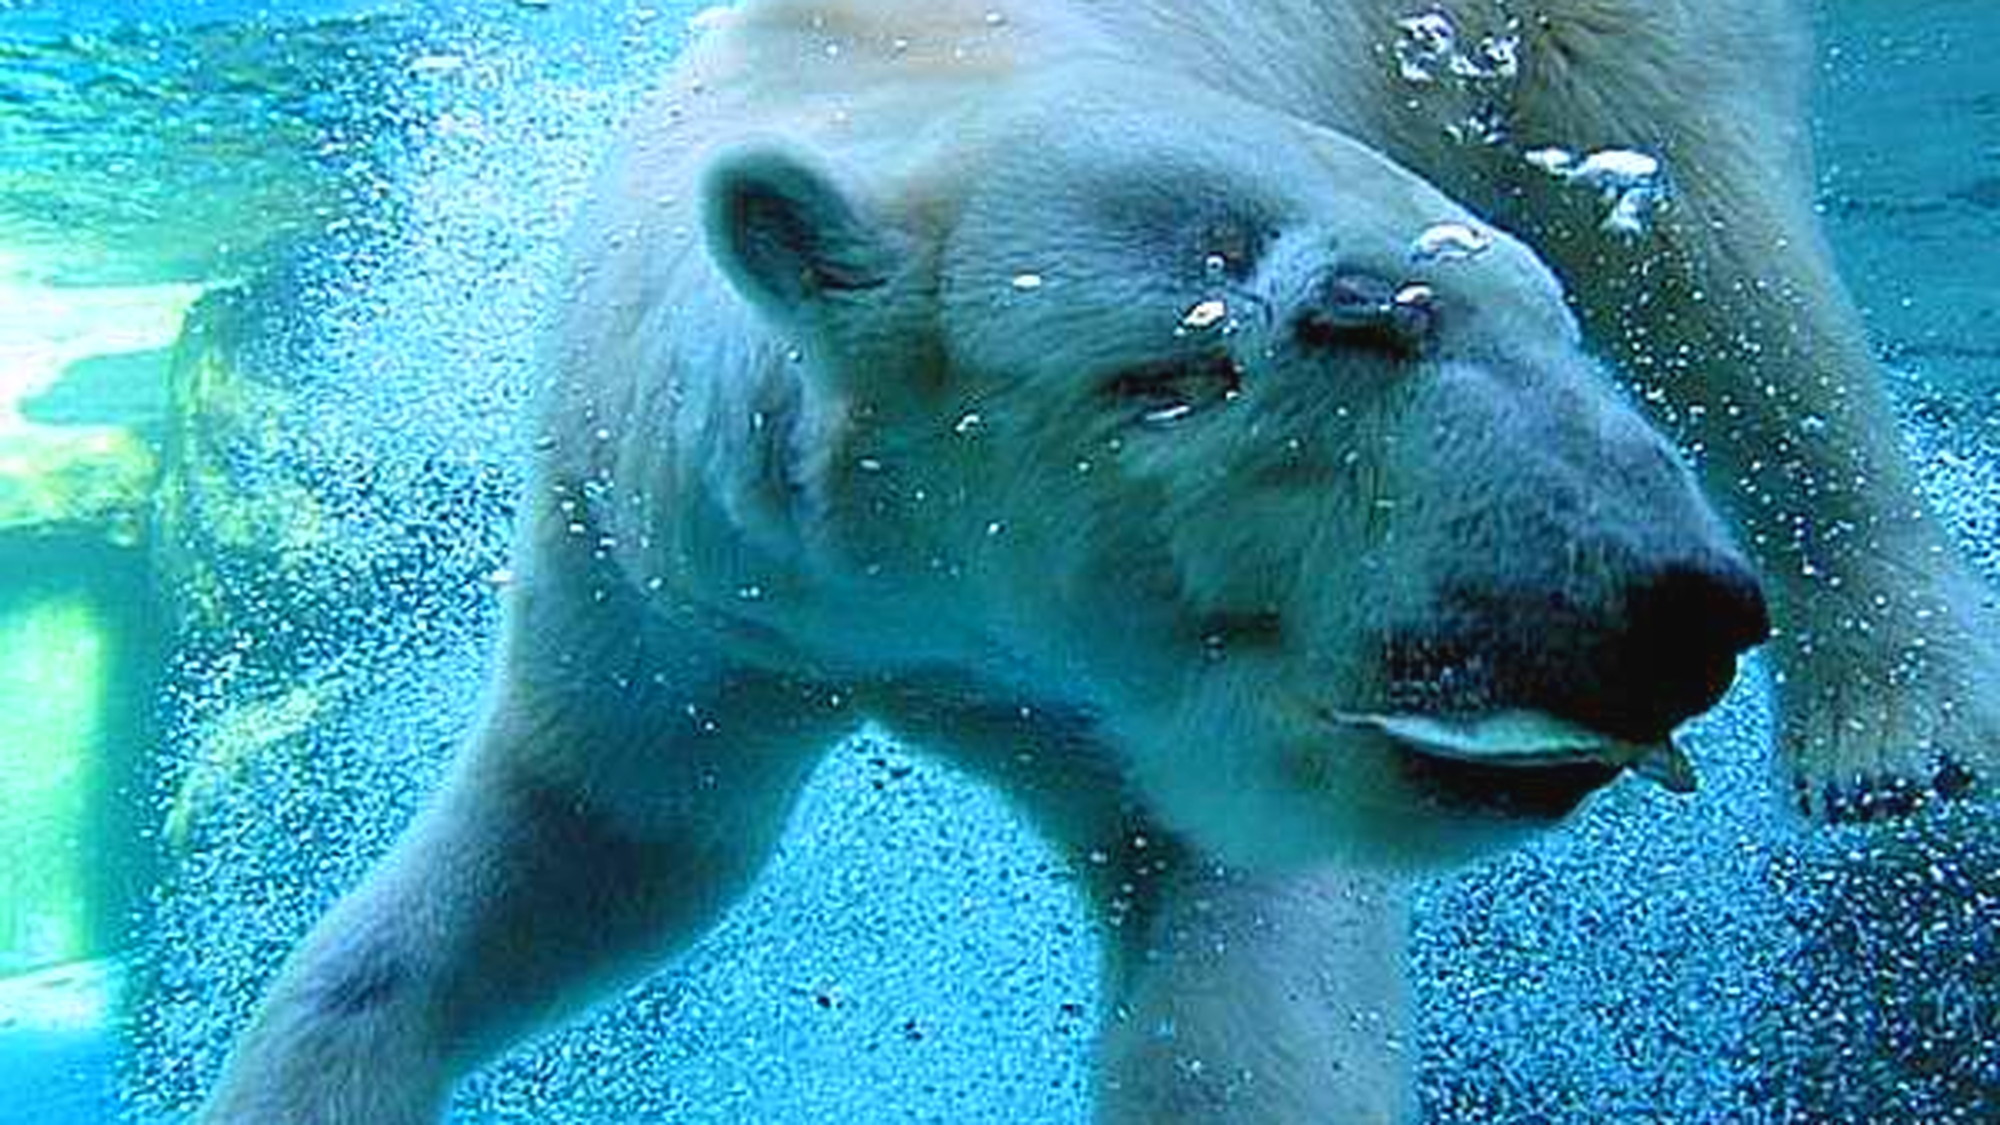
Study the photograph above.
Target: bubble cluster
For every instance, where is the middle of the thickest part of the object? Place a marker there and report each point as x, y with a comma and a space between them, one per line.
1633, 184
1469, 80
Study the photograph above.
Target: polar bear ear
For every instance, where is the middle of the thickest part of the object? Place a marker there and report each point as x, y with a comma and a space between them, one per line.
786, 235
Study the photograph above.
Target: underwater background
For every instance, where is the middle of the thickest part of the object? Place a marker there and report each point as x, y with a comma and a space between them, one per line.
269, 281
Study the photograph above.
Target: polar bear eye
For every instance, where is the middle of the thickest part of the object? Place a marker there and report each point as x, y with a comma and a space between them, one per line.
1362, 312
1173, 389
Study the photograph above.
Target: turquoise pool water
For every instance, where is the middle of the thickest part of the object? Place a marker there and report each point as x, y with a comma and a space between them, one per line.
268, 279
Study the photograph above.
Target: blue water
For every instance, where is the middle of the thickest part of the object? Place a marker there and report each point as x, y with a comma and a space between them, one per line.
60, 1076
914, 954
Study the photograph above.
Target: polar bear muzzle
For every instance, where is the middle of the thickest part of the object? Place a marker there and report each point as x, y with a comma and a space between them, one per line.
1531, 705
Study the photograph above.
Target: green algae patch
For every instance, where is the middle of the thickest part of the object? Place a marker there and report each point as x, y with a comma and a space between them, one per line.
241, 526
63, 478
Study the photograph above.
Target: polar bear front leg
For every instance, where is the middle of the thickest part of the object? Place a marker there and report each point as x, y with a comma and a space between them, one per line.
1259, 999
525, 886
1886, 644
1243, 999
1729, 318
1734, 325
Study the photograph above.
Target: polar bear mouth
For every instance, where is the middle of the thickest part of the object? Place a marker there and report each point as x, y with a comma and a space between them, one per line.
1521, 762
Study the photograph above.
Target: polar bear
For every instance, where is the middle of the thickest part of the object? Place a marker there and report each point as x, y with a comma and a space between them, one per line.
1203, 421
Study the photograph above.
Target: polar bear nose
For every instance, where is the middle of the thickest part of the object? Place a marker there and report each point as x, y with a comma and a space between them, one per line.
1683, 626
1643, 655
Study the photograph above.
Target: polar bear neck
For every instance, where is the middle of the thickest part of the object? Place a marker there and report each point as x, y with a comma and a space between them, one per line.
810, 64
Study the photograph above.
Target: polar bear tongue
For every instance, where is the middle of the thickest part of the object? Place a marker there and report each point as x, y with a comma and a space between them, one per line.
1528, 738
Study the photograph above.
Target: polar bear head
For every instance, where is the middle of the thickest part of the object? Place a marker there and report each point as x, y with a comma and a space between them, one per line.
1249, 441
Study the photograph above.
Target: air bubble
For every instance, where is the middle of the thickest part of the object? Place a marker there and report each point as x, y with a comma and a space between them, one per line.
1470, 82
1633, 183
1450, 241
1554, 161
1415, 295
1205, 314
1615, 168
1500, 57
1427, 44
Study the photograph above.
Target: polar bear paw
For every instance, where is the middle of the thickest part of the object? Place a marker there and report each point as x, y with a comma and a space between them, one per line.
1905, 717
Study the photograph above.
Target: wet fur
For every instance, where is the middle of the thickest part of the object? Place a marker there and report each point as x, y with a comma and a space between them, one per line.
678, 654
